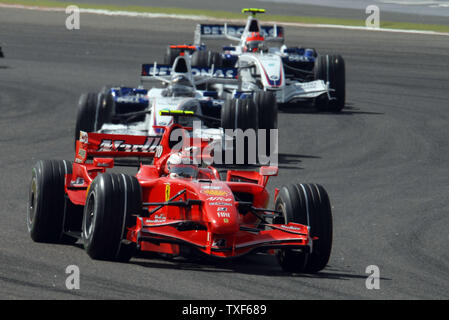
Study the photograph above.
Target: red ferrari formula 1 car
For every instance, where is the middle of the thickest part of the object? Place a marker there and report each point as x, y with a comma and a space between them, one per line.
171, 207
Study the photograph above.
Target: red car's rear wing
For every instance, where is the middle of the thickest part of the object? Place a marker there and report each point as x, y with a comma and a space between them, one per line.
116, 145
104, 145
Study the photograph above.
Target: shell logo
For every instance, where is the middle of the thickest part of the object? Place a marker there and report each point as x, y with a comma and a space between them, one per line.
212, 192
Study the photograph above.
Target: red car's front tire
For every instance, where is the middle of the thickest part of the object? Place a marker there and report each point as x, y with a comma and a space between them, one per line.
111, 201
307, 204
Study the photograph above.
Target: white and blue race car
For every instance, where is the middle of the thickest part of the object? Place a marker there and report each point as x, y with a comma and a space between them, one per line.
178, 87
265, 63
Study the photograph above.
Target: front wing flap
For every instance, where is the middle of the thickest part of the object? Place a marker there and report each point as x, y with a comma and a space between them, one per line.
148, 234
303, 91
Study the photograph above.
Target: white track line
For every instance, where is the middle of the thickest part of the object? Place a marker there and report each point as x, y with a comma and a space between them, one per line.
207, 18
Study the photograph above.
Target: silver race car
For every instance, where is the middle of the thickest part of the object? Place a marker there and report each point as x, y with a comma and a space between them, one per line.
265, 63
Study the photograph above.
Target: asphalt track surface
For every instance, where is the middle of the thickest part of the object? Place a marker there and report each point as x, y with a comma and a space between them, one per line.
384, 161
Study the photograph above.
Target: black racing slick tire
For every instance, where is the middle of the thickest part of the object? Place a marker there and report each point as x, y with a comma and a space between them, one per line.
267, 109
170, 55
46, 201
246, 114
87, 118
228, 114
200, 59
205, 59
241, 114
106, 107
111, 202
307, 204
215, 59
331, 68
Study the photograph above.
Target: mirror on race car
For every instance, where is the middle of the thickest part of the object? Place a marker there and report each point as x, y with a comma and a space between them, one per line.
268, 171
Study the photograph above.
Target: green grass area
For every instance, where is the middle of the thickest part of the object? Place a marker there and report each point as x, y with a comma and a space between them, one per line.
234, 15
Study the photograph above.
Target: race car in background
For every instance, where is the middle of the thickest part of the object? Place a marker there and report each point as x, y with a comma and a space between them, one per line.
136, 111
265, 63
174, 207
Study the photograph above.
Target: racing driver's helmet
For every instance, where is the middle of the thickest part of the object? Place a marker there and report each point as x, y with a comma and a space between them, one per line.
253, 42
180, 86
179, 166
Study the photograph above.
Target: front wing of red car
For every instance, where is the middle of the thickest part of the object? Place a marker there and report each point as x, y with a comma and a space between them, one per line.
168, 236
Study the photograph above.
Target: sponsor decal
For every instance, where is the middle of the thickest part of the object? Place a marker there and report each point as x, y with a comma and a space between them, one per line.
157, 219
310, 85
219, 199
212, 192
84, 138
150, 145
78, 182
224, 214
234, 30
220, 204
81, 156
218, 72
103, 165
82, 153
296, 58
167, 192
215, 30
222, 209
290, 227
129, 99
165, 70
211, 187
225, 220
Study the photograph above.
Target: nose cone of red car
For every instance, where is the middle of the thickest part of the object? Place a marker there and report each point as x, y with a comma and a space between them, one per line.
220, 208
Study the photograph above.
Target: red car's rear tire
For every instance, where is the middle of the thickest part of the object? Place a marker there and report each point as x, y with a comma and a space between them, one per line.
46, 200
